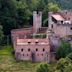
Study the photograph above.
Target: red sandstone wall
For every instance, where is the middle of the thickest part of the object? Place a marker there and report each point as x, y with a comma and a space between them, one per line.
39, 55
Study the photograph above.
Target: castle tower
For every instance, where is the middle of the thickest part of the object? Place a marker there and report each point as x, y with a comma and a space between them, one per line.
50, 20
37, 20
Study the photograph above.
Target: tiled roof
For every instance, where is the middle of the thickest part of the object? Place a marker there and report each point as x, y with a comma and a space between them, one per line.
58, 17
25, 41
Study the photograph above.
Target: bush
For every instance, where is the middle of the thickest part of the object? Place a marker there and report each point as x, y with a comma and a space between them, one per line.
63, 50
64, 65
43, 67
69, 56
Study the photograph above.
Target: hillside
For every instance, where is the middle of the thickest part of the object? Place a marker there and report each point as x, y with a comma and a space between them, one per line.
8, 62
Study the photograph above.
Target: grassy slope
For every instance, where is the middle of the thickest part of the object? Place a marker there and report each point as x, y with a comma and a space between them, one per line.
9, 64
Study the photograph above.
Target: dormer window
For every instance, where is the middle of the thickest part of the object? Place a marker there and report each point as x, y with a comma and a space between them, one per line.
29, 42
36, 42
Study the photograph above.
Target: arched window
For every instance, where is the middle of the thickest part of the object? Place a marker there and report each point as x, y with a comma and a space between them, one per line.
29, 49
71, 28
22, 50
42, 54
36, 42
27, 54
23, 54
36, 49
43, 49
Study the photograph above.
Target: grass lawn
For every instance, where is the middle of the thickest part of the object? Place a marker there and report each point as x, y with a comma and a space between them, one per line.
9, 64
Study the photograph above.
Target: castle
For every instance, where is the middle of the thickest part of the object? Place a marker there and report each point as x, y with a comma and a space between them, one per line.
61, 23
39, 43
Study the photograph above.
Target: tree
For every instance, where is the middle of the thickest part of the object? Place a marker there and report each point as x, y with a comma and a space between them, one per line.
69, 56
53, 7
43, 67
63, 50
64, 65
7, 15
1, 34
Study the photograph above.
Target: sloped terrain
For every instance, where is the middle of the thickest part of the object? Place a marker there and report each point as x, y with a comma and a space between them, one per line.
9, 64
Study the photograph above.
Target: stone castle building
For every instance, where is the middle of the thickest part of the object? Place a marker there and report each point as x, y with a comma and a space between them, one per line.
39, 43
61, 23
32, 43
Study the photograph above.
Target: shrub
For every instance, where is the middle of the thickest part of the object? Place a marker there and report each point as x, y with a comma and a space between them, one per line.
69, 56
63, 50
43, 67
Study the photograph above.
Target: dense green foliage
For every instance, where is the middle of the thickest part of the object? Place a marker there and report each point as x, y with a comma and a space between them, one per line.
69, 56
43, 67
18, 13
63, 50
64, 65
1, 34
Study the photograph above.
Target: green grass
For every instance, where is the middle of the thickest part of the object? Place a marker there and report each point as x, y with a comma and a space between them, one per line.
9, 64
6, 50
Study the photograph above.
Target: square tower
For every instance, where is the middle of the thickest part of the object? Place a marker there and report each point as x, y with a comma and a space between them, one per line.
37, 20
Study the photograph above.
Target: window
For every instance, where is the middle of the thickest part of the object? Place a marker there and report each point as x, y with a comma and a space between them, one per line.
52, 26
23, 54
22, 50
62, 22
66, 12
29, 42
29, 49
36, 49
68, 18
71, 28
43, 49
42, 54
37, 54
36, 42
27, 54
